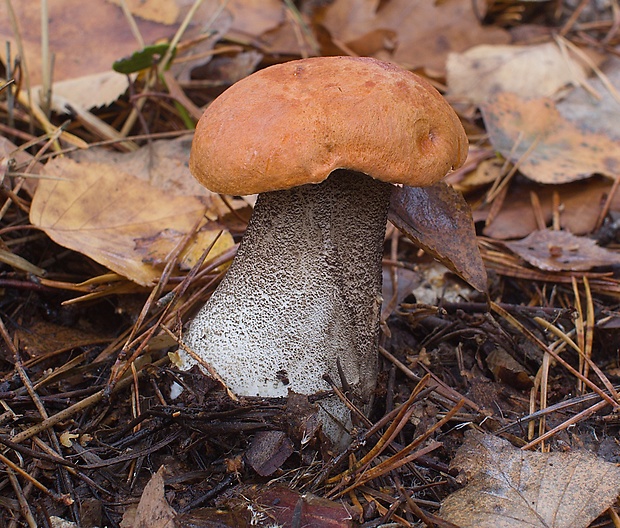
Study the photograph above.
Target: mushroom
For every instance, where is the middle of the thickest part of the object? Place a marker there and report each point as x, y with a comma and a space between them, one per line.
321, 140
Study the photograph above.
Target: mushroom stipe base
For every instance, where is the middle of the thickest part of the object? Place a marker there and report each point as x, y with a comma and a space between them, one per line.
303, 291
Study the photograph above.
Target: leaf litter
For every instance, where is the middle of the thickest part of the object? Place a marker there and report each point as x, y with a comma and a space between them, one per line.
87, 341
507, 487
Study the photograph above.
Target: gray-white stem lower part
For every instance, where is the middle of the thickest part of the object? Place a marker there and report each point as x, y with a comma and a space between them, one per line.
303, 292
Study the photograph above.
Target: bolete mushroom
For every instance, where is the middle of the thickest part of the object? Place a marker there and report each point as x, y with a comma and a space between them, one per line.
322, 140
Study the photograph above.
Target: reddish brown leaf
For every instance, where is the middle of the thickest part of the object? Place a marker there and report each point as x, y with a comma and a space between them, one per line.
438, 219
580, 206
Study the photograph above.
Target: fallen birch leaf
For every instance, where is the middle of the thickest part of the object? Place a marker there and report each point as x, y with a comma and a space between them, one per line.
163, 164
255, 17
108, 215
84, 79
530, 71
511, 488
549, 148
562, 251
438, 219
425, 31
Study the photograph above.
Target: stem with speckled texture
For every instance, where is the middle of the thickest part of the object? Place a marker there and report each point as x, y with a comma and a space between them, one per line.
303, 292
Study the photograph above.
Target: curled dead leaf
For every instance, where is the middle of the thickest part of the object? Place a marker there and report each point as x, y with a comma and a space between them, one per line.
438, 219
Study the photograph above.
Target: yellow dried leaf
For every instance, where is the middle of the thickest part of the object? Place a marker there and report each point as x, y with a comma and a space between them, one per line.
105, 214
549, 148
156, 10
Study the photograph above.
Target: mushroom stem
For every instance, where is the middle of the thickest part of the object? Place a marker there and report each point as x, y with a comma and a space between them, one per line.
303, 292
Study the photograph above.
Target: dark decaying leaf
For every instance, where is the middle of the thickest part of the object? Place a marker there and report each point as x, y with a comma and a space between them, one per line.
562, 251
507, 369
268, 506
279, 505
510, 488
268, 451
438, 219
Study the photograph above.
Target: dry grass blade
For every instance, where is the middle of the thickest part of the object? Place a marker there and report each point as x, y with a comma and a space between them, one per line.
441, 389
527, 333
66, 499
403, 416
579, 417
23, 502
402, 457
79, 406
588, 361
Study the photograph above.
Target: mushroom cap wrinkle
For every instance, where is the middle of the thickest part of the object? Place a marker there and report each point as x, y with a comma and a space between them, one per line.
295, 123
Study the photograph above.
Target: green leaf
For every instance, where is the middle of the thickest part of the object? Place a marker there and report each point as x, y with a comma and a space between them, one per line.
141, 60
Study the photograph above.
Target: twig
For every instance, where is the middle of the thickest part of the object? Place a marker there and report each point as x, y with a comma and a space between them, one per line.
77, 407
23, 503
65, 498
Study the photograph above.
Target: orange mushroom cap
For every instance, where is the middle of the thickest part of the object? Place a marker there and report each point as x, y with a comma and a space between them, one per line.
295, 123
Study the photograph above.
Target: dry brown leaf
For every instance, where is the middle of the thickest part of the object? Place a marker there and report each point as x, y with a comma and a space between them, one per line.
549, 148
43, 337
84, 38
562, 251
580, 205
255, 17
425, 31
510, 488
507, 369
86, 43
530, 71
153, 510
111, 216
438, 219
15, 158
